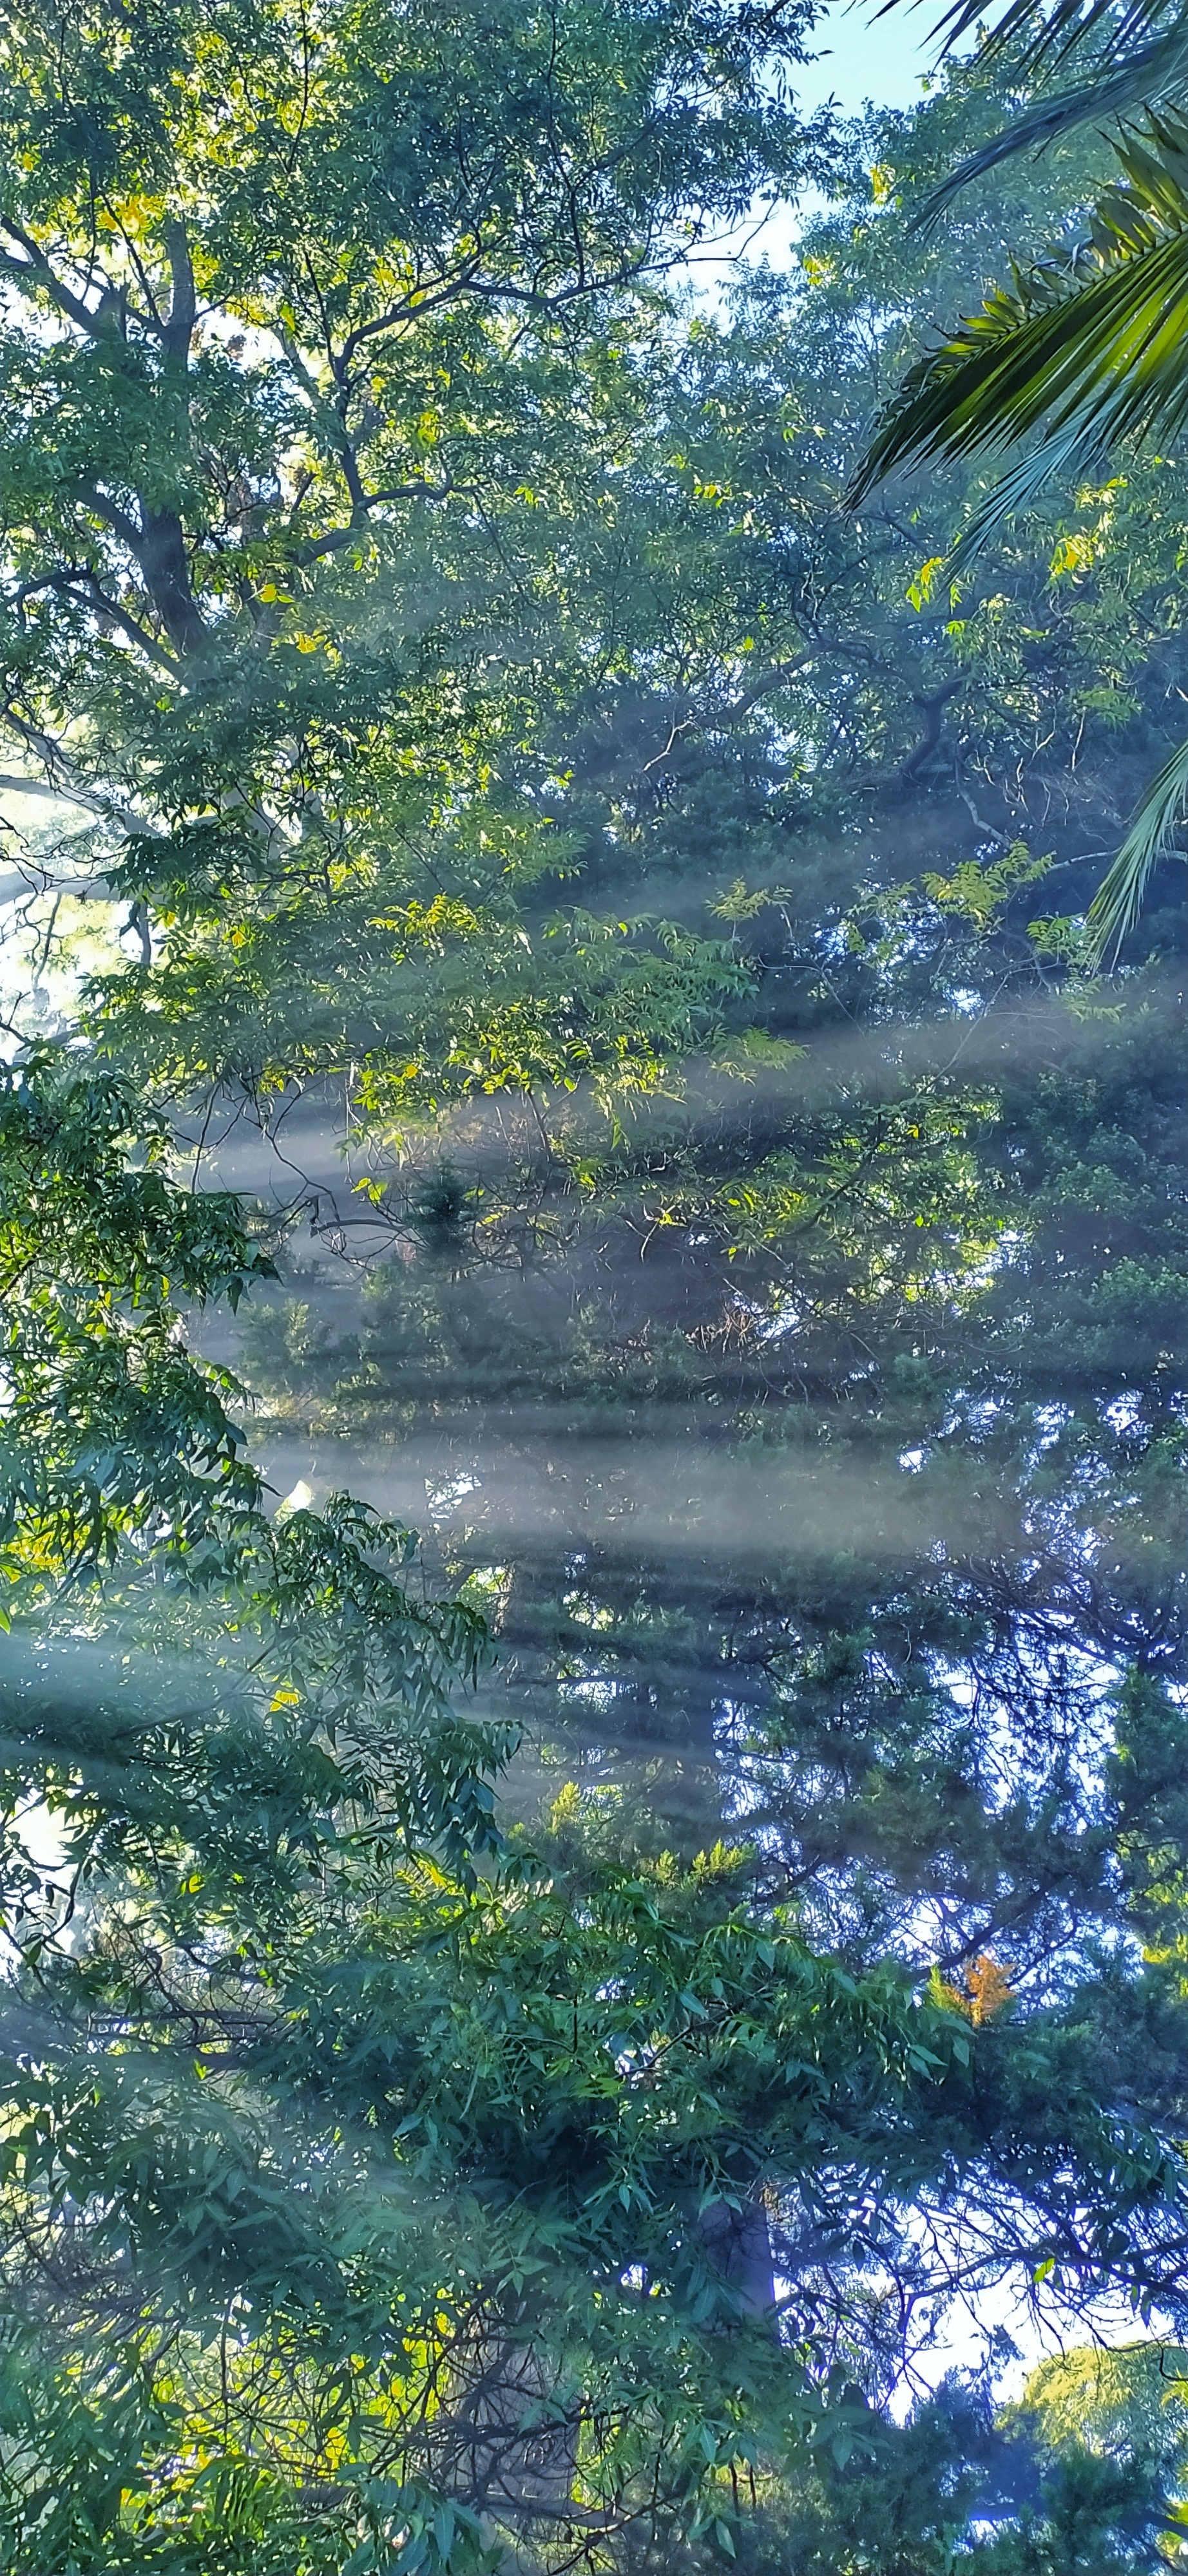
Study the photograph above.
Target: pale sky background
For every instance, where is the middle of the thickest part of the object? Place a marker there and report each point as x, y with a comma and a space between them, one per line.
860, 58
868, 57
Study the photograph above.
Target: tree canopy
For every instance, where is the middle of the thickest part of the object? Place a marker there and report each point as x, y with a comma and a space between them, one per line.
595, 1645
1080, 357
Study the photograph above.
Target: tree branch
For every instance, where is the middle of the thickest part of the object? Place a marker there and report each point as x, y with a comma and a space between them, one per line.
87, 587
177, 329
113, 517
932, 709
336, 537
65, 783
34, 268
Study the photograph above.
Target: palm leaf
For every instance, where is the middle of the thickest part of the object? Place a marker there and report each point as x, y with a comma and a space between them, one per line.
1016, 491
1118, 902
1034, 36
1146, 79
1092, 345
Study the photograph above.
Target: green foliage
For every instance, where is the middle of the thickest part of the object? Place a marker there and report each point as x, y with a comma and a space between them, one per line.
291, 298
1079, 356
1080, 348
508, 2046
112, 1430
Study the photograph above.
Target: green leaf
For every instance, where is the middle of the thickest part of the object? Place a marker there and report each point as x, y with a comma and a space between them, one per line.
1086, 350
1118, 902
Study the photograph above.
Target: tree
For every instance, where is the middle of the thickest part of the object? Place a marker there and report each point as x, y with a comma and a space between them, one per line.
403, 2168
1078, 358
353, 2192
285, 290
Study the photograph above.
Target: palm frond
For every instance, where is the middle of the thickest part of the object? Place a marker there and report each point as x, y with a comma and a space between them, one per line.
1035, 35
1118, 902
1146, 79
1016, 491
1092, 344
